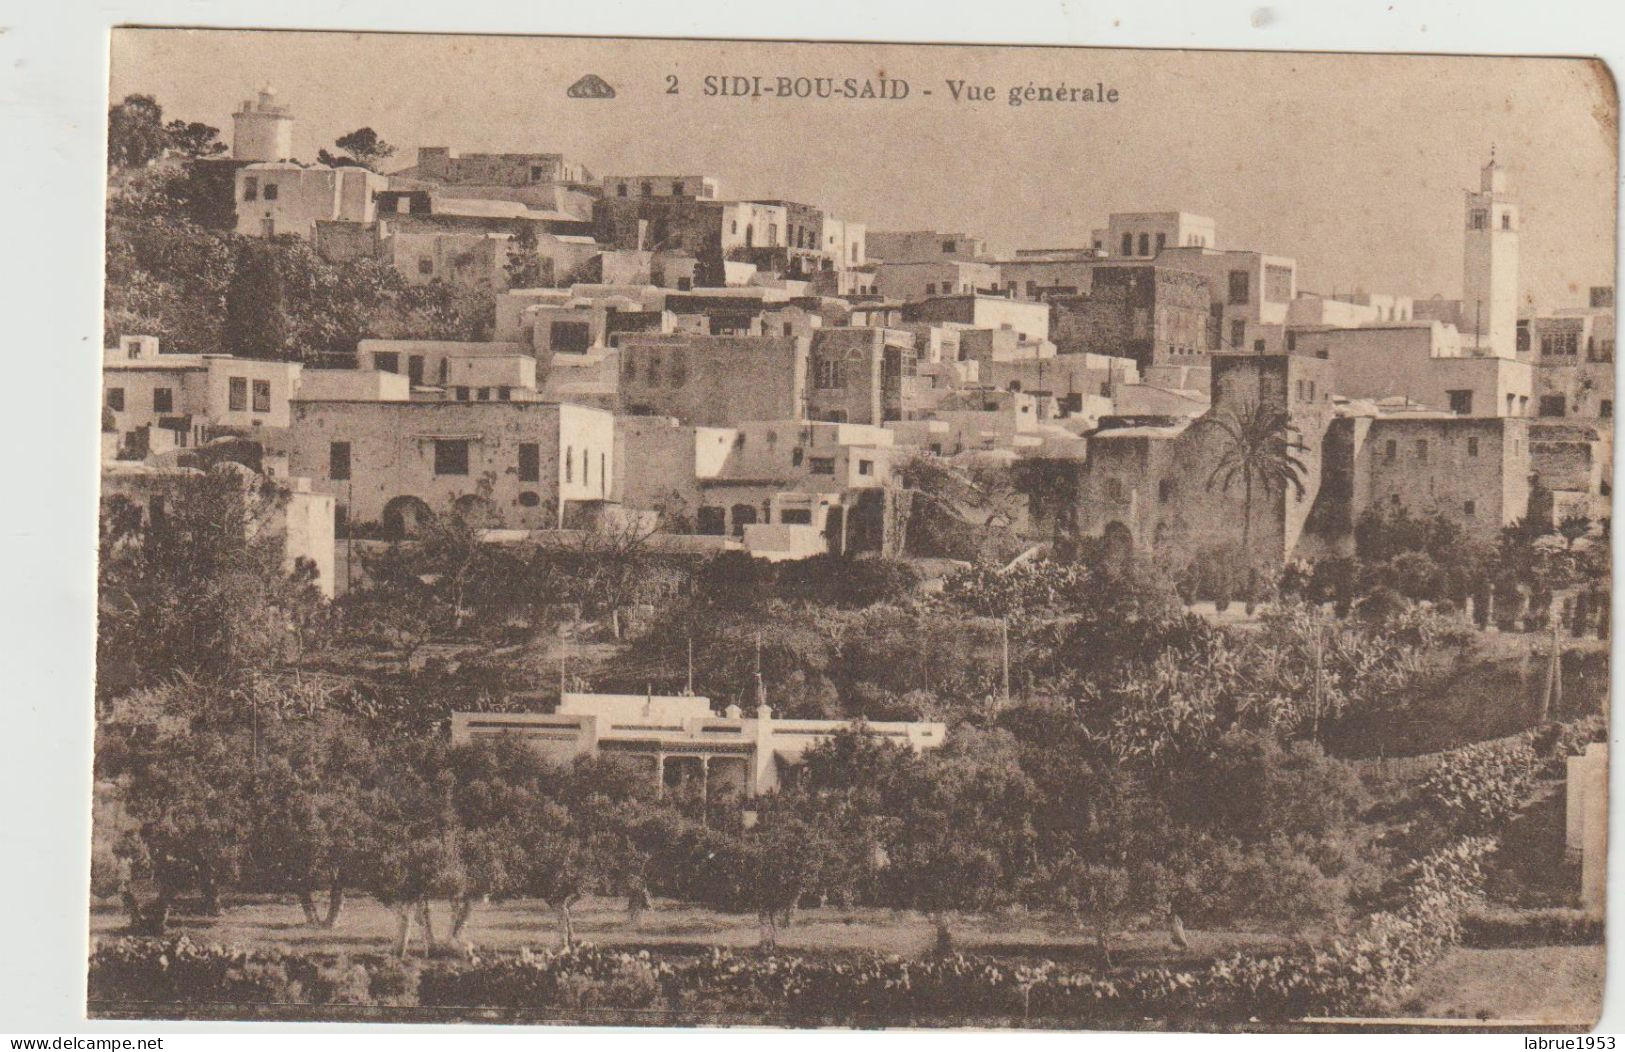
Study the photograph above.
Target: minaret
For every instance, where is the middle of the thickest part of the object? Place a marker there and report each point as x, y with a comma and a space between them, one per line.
262, 130
1489, 302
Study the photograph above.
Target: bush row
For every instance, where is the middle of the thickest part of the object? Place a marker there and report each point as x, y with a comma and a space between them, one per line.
1347, 975
1503, 929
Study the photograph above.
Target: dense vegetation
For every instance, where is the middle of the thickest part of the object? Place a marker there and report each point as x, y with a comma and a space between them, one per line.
1114, 760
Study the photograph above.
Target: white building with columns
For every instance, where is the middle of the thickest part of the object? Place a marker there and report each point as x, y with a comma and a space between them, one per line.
680, 737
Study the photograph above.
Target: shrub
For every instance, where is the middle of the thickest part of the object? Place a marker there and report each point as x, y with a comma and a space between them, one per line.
1475, 789
1503, 929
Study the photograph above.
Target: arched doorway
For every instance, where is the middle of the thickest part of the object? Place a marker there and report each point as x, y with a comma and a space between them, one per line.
406, 517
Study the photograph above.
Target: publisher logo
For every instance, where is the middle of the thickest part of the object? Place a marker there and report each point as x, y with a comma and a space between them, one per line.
591, 86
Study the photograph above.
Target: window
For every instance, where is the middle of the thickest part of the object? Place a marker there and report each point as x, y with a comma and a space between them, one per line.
569, 463
795, 516
251, 188
1240, 286
1128, 245
1145, 245
1478, 219
1032, 290
1162, 241
1469, 508
163, 400
866, 467
1606, 409
648, 190
1114, 490
603, 473
571, 337
461, 393
930, 288
947, 248
115, 399
338, 461
425, 266
1166, 488
821, 465
620, 190
1390, 450
262, 396
796, 456
586, 467
1461, 402
451, 456
386, 361
1472, 447
1553, 405
1238, 333
1422, 450
414, 370
535, 173
830, 374
237, 394
270, 191
504, 394
1506, 220
484, 394
677, 189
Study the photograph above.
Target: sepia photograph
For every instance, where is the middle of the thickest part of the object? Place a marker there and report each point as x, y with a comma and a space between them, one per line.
639, 532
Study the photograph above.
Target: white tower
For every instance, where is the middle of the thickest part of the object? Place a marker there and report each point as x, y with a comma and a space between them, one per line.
262, 130
1489, 302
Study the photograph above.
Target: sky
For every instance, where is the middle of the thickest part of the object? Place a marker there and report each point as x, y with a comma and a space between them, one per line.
1354, 165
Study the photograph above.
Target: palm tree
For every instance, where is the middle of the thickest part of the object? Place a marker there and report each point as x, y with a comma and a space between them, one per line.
1259, 448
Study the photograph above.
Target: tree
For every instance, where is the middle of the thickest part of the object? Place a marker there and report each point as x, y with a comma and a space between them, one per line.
362, 148
193, 139
191, 799
407, 850
524, 264
135, 132
255, 323
309, 810
1098, 895
963, 510
196, 584
1259, 447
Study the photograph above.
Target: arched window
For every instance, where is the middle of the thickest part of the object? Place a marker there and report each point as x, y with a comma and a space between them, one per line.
1145, 244
1128, 244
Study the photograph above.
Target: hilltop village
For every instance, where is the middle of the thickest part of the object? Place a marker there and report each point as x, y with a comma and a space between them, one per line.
1081, 634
